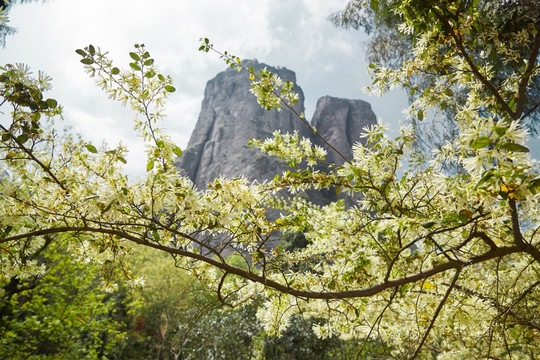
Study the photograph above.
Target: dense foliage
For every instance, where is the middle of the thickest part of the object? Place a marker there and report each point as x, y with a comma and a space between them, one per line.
60, 312
424, 264
389, 46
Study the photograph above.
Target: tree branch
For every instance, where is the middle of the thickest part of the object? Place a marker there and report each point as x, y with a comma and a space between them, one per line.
474, 69
366, 292
439, 308
516, 231
527, 76
34, 158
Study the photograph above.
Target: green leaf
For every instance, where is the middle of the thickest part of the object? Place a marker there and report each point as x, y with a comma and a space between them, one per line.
487, 175
177, 151
371, 66
122, 160
87, 61
420, 114
91, 148
513, 147
480, 142
161, 77
134, 66
463, 219
160, 144
534, 188
51, 102
149, 62
403, 289
134, 56
500, 131
374, 4
107, 208
512, 104
115, 71
150, 165
7, 230
91, 50
146, 55
428, 224
170, 88
22, 138
81, 52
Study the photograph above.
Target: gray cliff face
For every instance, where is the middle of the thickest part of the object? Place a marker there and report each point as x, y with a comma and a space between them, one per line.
341, 122
230, 116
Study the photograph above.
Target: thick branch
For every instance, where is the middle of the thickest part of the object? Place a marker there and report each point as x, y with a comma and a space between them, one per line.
516, 231
367, 292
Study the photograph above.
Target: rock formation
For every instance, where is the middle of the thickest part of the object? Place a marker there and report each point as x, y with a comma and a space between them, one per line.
230, 116
341, 122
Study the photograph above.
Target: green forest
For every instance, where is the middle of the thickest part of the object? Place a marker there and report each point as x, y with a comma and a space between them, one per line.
435, 255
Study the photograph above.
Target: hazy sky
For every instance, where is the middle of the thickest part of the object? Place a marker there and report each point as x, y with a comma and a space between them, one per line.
291, 33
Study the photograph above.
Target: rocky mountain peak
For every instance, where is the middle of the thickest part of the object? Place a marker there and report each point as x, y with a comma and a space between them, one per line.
230, 116
341, 122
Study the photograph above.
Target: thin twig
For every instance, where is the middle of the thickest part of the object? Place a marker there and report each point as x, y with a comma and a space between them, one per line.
439, 308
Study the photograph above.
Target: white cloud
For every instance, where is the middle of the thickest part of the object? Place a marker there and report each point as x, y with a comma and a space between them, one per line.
294, 33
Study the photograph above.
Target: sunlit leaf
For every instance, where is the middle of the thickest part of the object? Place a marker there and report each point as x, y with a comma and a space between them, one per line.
513, 147
480, 142
134, 56
91, 148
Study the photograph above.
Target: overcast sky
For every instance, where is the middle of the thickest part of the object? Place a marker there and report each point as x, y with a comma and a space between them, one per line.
292, 33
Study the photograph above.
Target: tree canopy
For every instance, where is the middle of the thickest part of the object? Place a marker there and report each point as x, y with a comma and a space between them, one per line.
430, 264
389, 46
